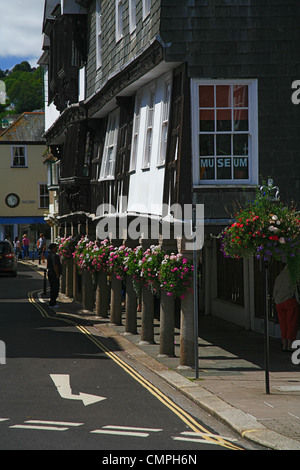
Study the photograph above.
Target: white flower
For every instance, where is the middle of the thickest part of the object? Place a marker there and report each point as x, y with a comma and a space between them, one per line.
274, 217
282, 240
271, 228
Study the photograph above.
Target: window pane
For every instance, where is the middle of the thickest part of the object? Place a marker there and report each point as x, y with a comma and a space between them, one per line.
223, 96
240, 168
109, 162
207, 144
207, 168
240, 96
18, 156
148, 149
206, 96
240, 144
44, 196
224, 168
223, 144
240, 118
163, 149
207, 120
224, 120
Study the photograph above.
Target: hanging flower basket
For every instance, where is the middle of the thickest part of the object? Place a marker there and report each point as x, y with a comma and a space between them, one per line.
176, 275
266, 230
151, 262
99, 256
133, 266
80, 254
66, 248
115, 263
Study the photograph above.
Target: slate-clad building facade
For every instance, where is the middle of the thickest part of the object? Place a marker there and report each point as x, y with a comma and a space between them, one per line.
156, 103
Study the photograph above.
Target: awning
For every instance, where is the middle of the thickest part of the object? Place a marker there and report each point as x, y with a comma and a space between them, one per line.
22, 220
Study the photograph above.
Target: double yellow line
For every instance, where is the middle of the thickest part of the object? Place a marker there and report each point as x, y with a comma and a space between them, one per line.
183, 415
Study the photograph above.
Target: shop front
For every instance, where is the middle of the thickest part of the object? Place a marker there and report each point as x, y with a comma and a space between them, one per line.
12, 227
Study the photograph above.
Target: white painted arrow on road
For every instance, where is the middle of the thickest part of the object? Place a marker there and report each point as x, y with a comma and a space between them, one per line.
62, 383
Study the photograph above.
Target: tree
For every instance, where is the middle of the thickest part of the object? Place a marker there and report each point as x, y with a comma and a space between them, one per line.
24, 87
23, 67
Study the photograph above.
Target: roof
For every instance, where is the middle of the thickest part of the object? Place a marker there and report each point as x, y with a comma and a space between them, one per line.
29, 127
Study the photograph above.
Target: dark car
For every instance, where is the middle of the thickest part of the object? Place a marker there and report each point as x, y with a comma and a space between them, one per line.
8, 259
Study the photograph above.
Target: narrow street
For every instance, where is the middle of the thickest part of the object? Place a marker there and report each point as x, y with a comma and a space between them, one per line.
64, 387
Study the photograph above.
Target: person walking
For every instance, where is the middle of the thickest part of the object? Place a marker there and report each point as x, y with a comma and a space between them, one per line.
41, 245
287, 309
25, 243
54, 272
17, 247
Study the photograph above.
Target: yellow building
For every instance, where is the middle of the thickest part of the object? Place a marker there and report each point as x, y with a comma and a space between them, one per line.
24, 197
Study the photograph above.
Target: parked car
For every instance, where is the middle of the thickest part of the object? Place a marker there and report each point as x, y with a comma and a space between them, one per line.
8, 259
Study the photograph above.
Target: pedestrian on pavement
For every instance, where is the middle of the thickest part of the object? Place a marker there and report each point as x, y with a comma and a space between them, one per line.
25, 243
54, 272
287, 308
17, 246
41, 245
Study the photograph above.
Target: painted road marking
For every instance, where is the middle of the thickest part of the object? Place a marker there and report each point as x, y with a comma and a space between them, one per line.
120, 433
125, 431
288, 388
57, 423
193, 436
62, 383
41, 428
129, 428
199, 440
43, 425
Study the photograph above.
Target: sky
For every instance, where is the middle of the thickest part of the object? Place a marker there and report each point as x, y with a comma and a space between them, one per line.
20, 32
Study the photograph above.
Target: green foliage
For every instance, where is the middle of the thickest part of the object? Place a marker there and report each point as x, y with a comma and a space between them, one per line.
24, 87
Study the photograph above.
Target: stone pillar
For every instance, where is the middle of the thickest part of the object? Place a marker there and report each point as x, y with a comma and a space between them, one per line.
147, 331
77, 284
166, 346
116, 301
69, 277
187, 342
102, 295
63, 278
130, 308
88, 291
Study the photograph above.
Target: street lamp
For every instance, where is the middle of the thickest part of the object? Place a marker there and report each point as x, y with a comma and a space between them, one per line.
273, 196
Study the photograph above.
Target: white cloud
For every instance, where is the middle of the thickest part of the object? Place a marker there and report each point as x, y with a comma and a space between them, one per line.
21, 28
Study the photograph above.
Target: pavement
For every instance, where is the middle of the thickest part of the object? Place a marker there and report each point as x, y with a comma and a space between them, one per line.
232, 381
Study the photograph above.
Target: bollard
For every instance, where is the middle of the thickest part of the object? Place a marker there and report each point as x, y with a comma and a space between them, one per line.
187, 341
63, 279
69, 277
130, 308
102, 295
2, 352
88, 292
147, 330
116, 301
166, 342
77, 284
